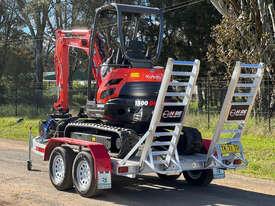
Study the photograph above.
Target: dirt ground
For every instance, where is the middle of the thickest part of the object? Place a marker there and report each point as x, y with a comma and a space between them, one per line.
21, 187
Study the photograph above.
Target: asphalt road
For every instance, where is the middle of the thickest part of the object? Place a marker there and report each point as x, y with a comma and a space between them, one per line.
21, 187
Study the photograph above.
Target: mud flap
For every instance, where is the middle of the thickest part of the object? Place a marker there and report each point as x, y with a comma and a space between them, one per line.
104, 180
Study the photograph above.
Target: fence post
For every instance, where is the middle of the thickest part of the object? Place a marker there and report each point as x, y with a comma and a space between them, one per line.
269, 104
16, 98
37, 100
207, 101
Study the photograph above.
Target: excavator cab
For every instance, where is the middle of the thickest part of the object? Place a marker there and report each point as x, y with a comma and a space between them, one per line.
132, 35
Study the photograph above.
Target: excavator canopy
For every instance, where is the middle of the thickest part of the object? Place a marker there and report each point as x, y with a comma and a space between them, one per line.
131, 34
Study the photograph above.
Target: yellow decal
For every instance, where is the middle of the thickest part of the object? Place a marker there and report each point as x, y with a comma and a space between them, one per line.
134, 74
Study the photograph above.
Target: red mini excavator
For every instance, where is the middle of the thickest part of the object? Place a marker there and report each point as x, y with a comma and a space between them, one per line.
123, 45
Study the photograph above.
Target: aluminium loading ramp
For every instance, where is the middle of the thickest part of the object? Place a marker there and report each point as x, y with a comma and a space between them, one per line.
170, 111
162, 156
226, 150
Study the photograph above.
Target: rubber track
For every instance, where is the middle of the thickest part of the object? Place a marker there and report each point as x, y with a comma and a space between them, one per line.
128, 137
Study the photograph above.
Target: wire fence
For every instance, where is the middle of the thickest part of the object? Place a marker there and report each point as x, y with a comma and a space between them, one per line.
37, 100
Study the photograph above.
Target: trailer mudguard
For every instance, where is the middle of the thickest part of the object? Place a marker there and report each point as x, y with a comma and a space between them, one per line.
102, 161
206, 144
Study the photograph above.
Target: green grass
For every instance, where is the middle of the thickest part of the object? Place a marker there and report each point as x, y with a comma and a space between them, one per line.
10, 129
260, 153
258, 142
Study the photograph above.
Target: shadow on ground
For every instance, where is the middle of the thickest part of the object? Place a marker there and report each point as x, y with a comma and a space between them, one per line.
147, 190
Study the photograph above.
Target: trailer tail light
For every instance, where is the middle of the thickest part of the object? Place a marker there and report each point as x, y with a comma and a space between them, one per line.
237, 162
40, 149
123, 169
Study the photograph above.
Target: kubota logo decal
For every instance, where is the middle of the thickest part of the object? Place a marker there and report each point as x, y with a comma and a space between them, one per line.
151, 76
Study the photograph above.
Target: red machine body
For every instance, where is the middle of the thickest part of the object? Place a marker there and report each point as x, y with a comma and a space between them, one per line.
81, 39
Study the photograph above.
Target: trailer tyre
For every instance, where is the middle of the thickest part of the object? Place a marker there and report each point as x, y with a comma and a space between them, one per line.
199, 177
168, 177
60, 168
83, 175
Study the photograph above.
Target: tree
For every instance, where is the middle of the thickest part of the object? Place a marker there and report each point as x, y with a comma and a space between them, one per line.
43, 17
9, 30
246, 33
35, 14
255, 18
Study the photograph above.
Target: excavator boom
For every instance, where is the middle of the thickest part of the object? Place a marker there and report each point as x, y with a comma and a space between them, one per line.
66, 39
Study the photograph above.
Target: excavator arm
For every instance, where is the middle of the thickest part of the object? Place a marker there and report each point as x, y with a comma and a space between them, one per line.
64, 40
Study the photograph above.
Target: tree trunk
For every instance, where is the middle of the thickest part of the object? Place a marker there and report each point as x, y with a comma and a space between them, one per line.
200, 97
39, 60
7, 32
38, 47
3, 58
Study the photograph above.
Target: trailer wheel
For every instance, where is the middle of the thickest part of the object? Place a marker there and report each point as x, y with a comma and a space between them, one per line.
83, 175
198, 177
60, 168
168, 177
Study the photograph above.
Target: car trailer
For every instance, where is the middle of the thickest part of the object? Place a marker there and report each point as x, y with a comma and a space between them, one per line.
88, 166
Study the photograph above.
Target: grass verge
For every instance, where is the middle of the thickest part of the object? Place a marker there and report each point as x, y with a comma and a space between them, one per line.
10, 128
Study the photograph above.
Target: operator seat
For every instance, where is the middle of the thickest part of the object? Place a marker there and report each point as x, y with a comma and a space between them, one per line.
136, 52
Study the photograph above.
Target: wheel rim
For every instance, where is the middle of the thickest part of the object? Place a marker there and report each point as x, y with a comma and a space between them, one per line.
194, 174
58, 169
83, 173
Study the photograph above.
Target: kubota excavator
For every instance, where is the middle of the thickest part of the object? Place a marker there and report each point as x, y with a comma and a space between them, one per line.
124, 43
